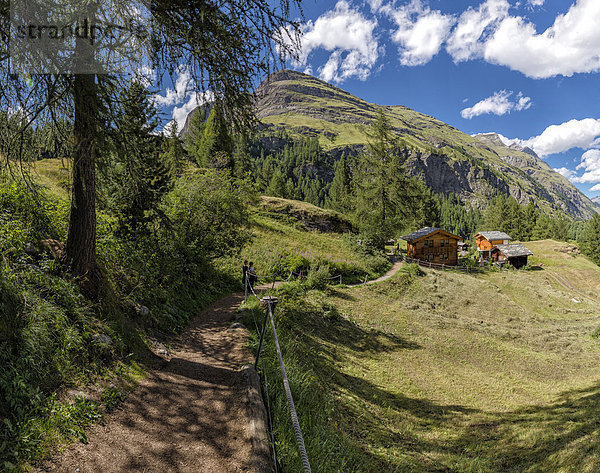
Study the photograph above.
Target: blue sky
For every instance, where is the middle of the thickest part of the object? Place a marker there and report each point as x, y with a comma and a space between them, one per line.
528, 69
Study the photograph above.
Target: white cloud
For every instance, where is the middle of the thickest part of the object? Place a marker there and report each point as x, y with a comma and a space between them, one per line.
590, 163
569, 46
583, 134
466, 39
421, 31
194, 100
350, 38
183, 88
498, 104
375, 5
568, 173
183, 97
596, 188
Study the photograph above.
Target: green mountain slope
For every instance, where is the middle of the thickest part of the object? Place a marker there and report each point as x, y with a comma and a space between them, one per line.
449, 161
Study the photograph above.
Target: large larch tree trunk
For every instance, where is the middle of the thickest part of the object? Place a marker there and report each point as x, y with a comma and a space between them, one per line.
81, 240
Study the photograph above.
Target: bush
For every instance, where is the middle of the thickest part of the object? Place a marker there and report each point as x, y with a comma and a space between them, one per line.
318, 277
414, 269
209, 214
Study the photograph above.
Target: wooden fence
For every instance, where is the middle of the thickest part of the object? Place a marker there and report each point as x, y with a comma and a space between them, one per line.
446, 267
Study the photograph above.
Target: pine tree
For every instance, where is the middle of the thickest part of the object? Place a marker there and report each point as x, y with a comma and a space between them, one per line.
340, 192
173, 155
381, 190
241, 156
590, 241
216, 146
530, 218
136, 178
542, 230
196, 132
277, 186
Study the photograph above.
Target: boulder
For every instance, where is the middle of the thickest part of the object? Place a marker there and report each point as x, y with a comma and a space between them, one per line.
102, 339
141, 310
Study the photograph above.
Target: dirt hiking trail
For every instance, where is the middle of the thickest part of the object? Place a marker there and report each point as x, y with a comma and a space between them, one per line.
187, 416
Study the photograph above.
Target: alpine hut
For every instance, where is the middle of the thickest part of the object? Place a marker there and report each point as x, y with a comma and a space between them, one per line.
516, 254
487, 241
434, 245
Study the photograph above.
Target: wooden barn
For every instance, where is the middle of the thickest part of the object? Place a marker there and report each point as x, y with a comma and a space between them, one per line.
515, 254
487, 241
434, 245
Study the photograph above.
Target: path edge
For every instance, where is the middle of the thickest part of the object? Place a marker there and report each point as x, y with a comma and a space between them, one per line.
260, 460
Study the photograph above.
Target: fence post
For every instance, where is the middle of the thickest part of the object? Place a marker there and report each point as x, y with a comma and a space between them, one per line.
270, 303
246, 287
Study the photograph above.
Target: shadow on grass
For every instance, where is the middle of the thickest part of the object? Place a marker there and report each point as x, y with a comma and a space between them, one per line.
356, 425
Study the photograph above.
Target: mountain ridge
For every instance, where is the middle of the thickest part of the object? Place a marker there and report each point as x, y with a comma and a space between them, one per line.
448, 160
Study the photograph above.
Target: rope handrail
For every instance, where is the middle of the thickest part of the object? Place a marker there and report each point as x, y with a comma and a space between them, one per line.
286, 384
290, 399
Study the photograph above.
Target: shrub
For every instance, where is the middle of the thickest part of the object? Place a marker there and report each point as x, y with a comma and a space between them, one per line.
414, 269
318, 277
209, 214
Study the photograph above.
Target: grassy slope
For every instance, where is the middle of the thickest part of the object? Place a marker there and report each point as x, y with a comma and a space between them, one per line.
450, 372
282, 243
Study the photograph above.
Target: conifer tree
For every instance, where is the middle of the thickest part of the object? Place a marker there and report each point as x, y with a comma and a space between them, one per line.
137, 178
196, 132
277, 186
173, 155
381, 190
530, 218
542, 230
590, 242
340, 192
216, 145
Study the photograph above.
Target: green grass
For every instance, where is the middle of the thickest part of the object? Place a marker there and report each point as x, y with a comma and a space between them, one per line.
55, 175
444, 372
282, 243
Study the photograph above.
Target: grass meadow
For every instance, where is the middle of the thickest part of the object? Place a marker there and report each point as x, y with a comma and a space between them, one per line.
444, 372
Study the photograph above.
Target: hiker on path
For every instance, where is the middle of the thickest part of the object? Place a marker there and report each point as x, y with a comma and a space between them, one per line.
245, 273
252, 277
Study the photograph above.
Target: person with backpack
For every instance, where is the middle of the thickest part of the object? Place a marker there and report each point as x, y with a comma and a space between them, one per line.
252, 277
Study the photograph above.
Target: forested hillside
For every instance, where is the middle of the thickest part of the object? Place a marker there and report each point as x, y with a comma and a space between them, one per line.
297, 108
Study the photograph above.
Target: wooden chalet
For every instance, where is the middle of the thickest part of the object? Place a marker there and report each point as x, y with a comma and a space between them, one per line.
487, 241
515, 254
434, 245
495, 248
